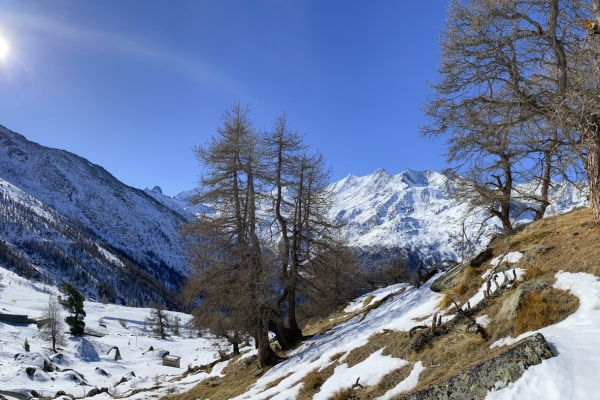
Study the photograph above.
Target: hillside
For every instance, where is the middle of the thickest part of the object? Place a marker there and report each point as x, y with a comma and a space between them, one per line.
380, 346
127, 219
557, 277
39, 243
83, 364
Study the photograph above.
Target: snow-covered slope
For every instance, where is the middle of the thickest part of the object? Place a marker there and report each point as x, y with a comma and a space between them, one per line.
38, 242
126, 218
83, 363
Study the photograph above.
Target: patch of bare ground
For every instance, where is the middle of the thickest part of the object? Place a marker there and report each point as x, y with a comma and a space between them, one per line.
239, 376
312, 382
335, 319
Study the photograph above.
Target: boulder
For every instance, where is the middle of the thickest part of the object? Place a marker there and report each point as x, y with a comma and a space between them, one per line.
453, 277
511, 303
500, 370
96, 391
538, 249
30, 370
48, 367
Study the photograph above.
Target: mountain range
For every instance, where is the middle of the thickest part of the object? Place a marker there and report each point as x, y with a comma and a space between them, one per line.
384, 216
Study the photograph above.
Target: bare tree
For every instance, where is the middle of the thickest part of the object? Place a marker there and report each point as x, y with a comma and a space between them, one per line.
159, 317
300, 200
505, 79
227, 244
329, 279
54, 330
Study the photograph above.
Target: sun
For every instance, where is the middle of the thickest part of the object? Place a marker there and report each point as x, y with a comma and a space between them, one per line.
4, 48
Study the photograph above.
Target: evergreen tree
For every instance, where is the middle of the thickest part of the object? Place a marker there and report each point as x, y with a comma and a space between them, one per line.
73, 303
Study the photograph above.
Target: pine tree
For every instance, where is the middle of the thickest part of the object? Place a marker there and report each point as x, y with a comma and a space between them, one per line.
73, 303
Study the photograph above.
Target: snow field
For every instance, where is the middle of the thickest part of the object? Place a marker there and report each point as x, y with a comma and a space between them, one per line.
87, 356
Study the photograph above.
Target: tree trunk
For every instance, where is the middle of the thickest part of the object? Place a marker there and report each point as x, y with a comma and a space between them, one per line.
266, 355
593, 172
544, 203
294, 331
236, 348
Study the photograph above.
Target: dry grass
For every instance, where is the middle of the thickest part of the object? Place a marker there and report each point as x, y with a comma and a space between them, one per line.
541, 309
277, 381
238, 378
337, 356
533, 272
313, 380
574, 240
368, 300
468, 285
341, 394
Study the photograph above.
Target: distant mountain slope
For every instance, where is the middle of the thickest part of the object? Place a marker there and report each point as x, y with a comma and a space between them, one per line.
40, 244
127, 219
409, 213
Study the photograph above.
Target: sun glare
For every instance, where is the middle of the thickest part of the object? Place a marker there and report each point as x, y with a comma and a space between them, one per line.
4, 48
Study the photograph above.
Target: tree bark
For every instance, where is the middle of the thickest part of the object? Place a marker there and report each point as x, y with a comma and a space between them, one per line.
593, 172
266, 355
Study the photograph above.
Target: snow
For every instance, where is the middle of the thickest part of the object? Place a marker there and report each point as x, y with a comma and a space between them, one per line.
368, 373
407, 384
88, 355
400, 312
484, 321
511, 258
573, 373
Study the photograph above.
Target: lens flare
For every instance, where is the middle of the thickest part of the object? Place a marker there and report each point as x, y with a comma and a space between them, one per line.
4, 49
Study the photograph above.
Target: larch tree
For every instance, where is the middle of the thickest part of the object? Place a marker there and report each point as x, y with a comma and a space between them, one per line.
159, 318
53, 331
300, 199
511, 63
228, 245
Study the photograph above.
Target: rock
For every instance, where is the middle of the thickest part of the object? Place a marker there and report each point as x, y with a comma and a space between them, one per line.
48, 367
30, 370
453, 277
258, 372
538, 249
151, 348
127, 377
17, 356
475, 382
482, 257
34, 393
511, 303
60, 393
96, 391
103, 372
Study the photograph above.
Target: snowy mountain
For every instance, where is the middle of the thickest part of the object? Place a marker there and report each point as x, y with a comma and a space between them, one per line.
129, 220
409, 213
41, 244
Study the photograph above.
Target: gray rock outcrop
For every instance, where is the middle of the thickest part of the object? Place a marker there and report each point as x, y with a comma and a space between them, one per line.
477, 381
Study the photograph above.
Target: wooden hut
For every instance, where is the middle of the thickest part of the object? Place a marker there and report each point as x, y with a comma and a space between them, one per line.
171, 361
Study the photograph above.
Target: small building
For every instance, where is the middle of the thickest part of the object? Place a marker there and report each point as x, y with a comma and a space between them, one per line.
171, 361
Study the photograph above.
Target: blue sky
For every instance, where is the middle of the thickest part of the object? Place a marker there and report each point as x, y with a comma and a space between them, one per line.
135, 85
